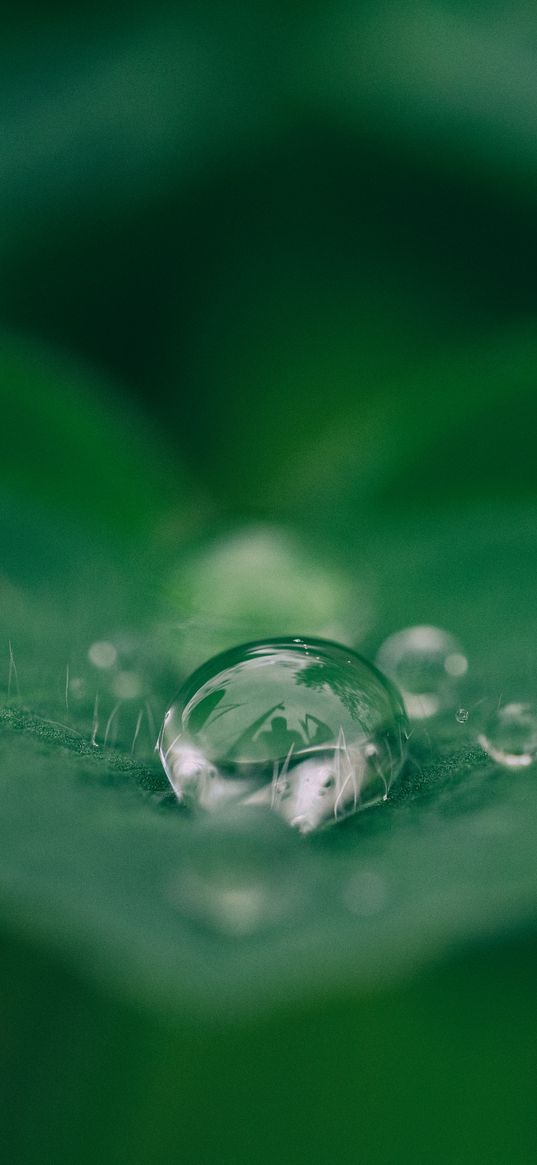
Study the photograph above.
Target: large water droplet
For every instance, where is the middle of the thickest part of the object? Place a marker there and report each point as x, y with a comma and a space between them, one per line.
305, 727
427, 664
510, 736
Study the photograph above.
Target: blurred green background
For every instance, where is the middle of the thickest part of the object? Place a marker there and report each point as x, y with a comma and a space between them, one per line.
268, 298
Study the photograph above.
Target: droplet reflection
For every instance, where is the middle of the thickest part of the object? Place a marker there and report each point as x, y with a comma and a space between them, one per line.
306, 728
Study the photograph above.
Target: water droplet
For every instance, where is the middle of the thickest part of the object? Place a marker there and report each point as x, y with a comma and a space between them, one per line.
102, 654
510, 736
239, 879
313, 738
120, 700
425, 663
461, 715
77, 687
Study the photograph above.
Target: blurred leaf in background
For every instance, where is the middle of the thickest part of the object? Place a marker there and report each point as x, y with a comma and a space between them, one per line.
268, 363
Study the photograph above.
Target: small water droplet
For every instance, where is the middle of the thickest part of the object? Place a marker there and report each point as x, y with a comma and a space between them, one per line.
510, 736
425, 663
77, 687
461, 715
102, 654
310, 737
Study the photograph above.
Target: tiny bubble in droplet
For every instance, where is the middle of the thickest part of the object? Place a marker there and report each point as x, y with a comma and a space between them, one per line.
461, 715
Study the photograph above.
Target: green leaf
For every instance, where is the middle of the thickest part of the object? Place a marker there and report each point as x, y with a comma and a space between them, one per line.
435, 429
456, 81
71, 446
372, 929
117, 908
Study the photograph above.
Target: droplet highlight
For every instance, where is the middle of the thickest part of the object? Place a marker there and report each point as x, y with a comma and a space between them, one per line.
310, 730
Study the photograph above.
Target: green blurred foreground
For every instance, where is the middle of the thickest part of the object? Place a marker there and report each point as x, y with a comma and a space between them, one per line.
268, 367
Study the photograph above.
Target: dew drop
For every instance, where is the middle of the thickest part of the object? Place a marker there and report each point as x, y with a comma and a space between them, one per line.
119, 699
510, 736
426, 663
102, 654
77, 687
461, 715
314, 738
